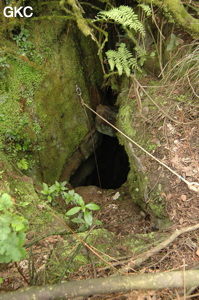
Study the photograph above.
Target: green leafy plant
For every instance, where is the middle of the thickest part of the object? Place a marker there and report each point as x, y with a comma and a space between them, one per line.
122, 60
173, 42
125, 16
55, 190
23, 164
26, 47
22, 41
84, 211
12, 235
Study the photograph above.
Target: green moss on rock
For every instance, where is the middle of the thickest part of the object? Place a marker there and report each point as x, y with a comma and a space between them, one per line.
139, 181
40, 103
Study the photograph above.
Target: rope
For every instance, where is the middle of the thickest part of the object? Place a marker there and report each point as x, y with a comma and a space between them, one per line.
79, 92
194, 186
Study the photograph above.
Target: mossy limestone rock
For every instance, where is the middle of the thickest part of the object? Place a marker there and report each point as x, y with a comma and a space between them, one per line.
57, 105
142, 184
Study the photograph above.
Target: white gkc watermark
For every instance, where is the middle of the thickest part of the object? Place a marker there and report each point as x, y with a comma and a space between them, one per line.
10, 11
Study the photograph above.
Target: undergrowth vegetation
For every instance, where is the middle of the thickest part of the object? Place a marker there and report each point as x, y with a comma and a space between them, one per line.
19, 80
13, 227
183, 72
128, 21
84, 218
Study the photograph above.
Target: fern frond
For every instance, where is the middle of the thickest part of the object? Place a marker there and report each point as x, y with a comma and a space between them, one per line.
122, 60
146, 9
125, 16
111, 58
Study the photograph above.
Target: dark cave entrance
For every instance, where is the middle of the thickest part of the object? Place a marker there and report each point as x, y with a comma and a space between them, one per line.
112, 163
113, 166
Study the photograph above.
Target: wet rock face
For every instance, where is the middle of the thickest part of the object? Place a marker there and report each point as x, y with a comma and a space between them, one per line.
81, 161
82, 175
109, 113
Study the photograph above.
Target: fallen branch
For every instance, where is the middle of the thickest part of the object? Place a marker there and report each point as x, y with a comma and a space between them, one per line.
158, 248
65, 290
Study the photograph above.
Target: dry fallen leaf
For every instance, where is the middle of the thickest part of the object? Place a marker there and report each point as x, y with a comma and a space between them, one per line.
183, 197
116, 196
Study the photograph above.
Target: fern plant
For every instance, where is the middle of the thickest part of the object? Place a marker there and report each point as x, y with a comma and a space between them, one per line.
125, 16
122, 60
146, 9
